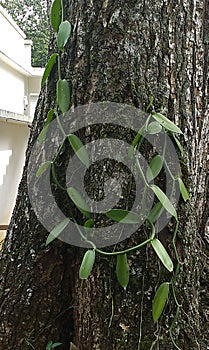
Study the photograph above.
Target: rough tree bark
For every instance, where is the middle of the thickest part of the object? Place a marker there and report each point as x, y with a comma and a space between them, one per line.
121, 51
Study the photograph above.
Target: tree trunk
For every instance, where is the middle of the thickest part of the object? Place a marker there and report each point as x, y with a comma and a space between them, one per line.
124, 52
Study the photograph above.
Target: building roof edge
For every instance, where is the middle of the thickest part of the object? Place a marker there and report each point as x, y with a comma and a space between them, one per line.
9, 18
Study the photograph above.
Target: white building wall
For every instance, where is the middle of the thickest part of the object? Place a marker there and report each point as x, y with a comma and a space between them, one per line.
19, 89
18, 80
13, 137
12, 89
11, 38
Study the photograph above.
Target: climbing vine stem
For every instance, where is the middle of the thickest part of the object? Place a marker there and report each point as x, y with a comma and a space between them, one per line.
155, 123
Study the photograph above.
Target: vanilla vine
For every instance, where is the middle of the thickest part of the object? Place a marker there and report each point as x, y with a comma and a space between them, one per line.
155, 123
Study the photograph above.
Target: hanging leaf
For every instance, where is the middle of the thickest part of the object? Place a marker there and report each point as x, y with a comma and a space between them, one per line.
79, 149
89, 223
44, 130
123, 216
162, 254
42, 168
154, 128
136, 140
164, 200
49, 67
150, 104
155, 212
122, 270
179, 145
183, 190
79, 201
49, 345
87, 264
56, 15
63, 95
159, 301
154, 168
63, 34
166, 123
138, 136
57, 230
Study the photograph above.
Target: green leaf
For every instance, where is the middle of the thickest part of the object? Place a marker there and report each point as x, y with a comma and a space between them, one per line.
87, 264
155, 212
89, 223
49, 345
57, 230
183, 190
63, 95
150, 104
166, 123
159, 301
42, 168
63, 34
154, 128
162, 254
56, 15
44, 130
179, 145
164, 200
49, 67
79, 149
123, 216
136, 139
122, 270
138, 136
79, 201
154, 168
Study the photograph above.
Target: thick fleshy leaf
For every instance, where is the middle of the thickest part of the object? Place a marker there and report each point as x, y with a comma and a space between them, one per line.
57, 230
166, 123
136, 139
87, 264
63, 95
154, 168
154, 128
79, 201
63, 34
49, 67
123, 216
122, 270
42, 168
56, 15
44, 130
162, 254
49, 345
179, 145
183, 190
164, 200
79, 149
138, 136
89, 224
159, 301
155, 212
